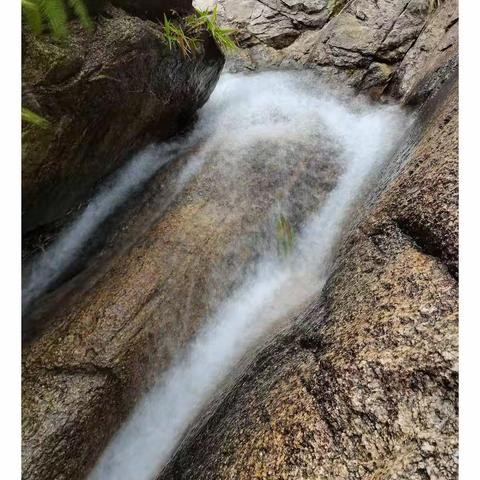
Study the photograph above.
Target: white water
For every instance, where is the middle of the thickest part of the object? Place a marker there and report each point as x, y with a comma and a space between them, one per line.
278, 106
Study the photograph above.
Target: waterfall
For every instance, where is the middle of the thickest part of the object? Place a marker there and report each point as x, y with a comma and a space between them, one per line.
280, 107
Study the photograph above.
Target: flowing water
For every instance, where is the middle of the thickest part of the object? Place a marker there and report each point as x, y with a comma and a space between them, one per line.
251, 121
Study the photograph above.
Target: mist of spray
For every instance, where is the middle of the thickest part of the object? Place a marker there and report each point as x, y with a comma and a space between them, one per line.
275, 106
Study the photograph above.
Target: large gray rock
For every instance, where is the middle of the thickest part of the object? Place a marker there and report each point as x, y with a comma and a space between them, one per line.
435, 49
372, 46
364, 384
154, 9
105, 95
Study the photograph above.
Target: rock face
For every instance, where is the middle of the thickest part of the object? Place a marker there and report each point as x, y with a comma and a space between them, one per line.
105, 95
154, 9
372, 46
364, 384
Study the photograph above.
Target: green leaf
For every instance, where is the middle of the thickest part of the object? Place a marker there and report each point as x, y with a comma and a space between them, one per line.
31, 117
81, 12
56, 15
32, 15
54, 12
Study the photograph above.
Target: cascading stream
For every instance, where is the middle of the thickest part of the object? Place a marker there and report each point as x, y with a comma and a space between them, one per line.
251, 119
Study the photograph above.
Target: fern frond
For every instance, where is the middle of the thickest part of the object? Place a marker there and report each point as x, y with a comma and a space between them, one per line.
31, 117
80, 10
55, 13
32, 15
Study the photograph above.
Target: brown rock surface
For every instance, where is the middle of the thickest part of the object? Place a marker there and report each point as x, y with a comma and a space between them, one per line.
364, 384
106, 95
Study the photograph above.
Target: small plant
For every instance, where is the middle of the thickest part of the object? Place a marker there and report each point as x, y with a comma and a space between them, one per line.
187, 38
205, 19
54, 12
31, 117
176, 36
284, 233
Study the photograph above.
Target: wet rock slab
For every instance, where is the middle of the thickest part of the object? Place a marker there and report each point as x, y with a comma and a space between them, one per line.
365, 383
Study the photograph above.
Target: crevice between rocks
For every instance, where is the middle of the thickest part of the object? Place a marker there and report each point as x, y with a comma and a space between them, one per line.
426, 243
85, 369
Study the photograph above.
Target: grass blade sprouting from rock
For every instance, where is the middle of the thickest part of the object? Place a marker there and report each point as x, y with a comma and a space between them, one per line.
222, 36
31, 117
176, 36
